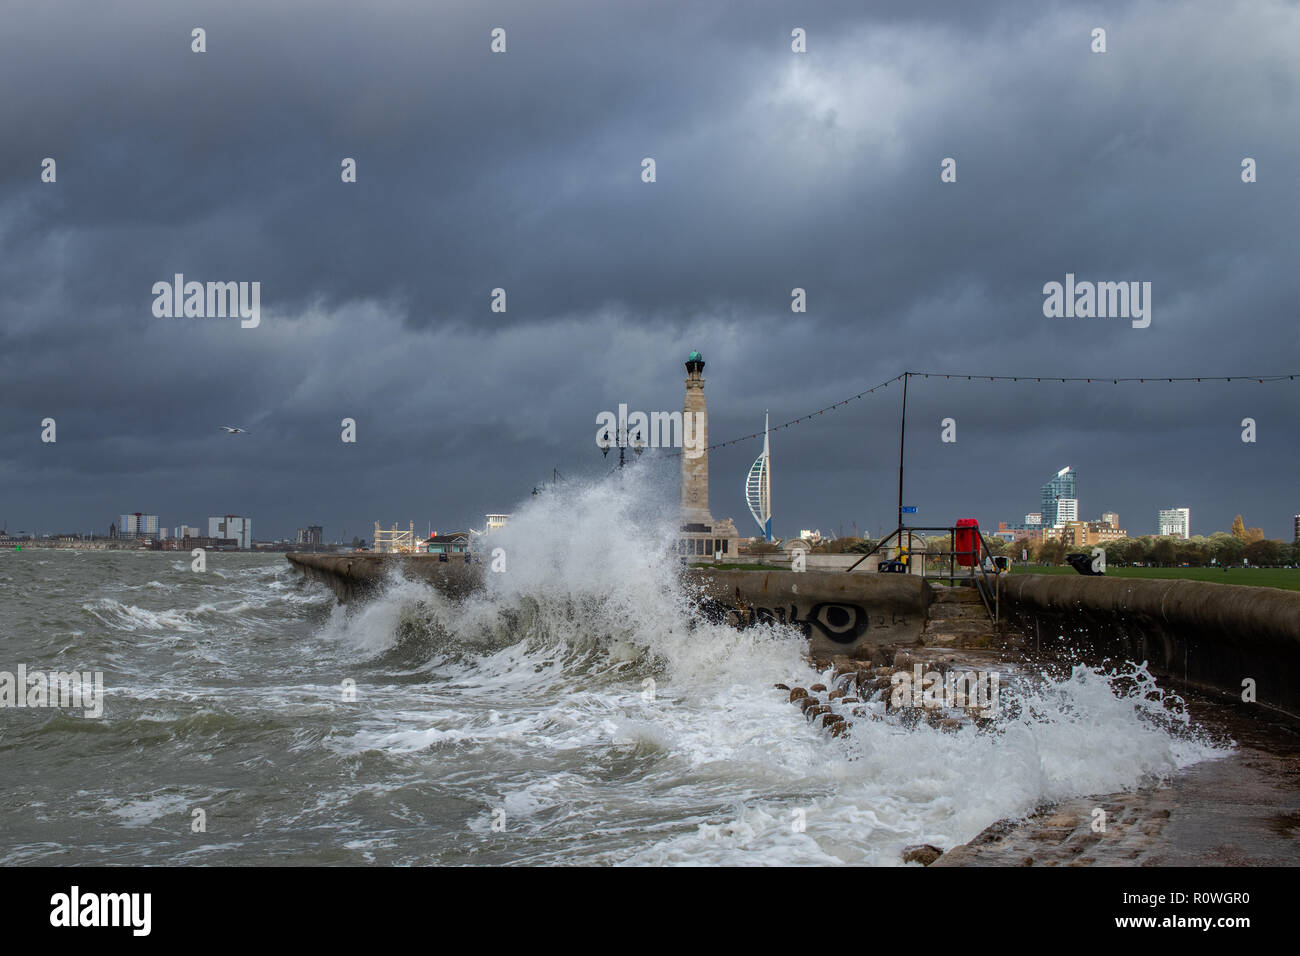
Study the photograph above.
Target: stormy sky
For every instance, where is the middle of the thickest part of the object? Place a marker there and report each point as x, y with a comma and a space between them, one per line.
522, 170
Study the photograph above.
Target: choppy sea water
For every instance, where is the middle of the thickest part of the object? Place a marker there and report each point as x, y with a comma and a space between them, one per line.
573, 712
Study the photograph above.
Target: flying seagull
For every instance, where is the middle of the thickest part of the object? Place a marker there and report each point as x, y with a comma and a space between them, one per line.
233, 431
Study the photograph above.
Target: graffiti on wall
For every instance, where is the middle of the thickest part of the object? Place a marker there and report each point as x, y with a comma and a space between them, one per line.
839, 622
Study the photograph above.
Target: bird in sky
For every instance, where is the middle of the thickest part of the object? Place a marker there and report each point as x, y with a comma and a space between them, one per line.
231, 430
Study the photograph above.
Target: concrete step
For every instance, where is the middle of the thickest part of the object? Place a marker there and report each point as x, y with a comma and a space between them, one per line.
960, 624
943, 612
948, 595
949, 638
959, 627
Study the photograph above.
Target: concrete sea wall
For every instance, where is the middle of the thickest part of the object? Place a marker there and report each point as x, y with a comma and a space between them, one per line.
1210, 637
828, 562
354, 576
842, 614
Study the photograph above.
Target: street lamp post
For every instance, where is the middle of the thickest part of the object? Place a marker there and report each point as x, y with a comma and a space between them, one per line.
637, 443
902, 432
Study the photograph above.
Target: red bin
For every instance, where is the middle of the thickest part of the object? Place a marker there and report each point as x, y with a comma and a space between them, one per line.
966, 542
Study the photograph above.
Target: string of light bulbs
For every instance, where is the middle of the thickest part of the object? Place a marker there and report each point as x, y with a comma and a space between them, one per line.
1036, 379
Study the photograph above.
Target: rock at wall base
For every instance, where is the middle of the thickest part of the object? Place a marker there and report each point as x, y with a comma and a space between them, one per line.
922, 853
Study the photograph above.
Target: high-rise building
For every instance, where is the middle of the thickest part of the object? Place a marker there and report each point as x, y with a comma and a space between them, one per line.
1033, 519
1067, 510
1062, 486
137, 525
1296, 521
1176, 522
1110, 518
186, 531
232, 526
312, 534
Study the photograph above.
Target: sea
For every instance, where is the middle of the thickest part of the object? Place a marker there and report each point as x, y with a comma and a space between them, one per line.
575, 711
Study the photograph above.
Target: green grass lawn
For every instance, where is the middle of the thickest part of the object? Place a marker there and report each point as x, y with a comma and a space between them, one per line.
1287, 578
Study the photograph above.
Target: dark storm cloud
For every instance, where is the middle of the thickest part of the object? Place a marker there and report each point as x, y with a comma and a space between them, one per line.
522, 171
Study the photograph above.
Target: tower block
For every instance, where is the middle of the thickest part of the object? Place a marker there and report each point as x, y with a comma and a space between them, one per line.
702, 538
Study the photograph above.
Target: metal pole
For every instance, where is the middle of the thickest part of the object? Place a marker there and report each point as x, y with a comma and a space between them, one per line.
902, 431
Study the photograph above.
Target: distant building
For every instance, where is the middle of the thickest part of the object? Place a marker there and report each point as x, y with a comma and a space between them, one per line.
1016, 532
232, 526
758, 485
1110, 518
137, 525
496, 521
1085, 534
1072, 534
1296, 522
189, 542
811, 536
1176, 522
312, 534
394, 540
455, 543
1061, 488
1034, 518
186, 531
1100, 532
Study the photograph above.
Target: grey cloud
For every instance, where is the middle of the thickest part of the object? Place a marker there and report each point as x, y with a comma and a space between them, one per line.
522, 171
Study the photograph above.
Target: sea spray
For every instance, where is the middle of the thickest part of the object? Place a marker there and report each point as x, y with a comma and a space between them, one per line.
715, 766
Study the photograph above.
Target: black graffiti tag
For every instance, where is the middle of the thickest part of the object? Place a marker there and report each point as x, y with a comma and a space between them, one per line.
841, 623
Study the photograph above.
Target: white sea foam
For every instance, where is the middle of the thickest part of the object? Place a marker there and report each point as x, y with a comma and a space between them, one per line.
143, 811
545, 669
132, 617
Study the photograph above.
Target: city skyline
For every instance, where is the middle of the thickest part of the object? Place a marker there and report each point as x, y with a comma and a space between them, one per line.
1065, 479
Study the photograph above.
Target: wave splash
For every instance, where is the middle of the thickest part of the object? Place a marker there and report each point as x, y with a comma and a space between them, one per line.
581, 666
